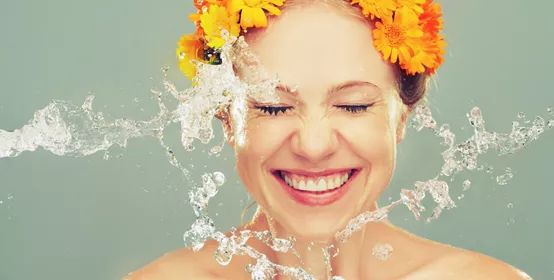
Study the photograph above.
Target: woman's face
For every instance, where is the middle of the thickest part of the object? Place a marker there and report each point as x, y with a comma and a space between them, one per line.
326, 151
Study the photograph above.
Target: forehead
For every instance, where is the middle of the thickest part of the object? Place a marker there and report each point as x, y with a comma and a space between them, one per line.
317, 46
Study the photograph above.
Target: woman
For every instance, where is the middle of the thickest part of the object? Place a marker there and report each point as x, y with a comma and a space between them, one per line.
327, 150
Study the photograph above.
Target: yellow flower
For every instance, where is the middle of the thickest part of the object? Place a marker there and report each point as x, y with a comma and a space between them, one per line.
200, 4
397, 37
376, 8
189, 48
252, 11
203, 6
414, 5
430, 48
215, 20
439, 52
428, 55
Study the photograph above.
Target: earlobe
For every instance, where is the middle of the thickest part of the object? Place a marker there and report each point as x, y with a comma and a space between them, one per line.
228, 132
223, 115
401, 126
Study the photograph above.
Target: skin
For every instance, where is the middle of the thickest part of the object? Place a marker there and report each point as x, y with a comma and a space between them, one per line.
317, 133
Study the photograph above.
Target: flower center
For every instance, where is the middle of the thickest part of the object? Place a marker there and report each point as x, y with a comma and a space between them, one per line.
396, 36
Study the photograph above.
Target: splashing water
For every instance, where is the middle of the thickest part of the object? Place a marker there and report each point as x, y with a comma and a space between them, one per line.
382, 251
66, 129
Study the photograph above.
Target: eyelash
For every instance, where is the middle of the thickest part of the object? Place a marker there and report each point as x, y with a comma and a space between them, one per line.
276, 110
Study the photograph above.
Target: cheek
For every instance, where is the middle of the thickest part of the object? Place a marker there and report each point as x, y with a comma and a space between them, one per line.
372, 138
264, 138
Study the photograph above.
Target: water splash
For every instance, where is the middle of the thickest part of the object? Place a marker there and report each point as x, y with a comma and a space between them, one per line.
382, 251
71, 130
456, 158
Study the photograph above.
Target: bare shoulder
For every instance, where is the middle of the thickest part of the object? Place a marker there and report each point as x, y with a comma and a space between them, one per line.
441, 261
179, 264
478, 266
461, 264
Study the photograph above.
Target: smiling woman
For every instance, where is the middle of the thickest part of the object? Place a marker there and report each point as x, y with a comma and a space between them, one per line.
327, 150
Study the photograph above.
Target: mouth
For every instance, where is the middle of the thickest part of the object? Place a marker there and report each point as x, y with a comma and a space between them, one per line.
316, 189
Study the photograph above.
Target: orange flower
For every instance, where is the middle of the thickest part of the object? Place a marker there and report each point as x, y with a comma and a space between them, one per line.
439, 59
431, 18
397, 37
414, 5
376, 8
203, 6
427, 55
252, 11
215, 20
189, 48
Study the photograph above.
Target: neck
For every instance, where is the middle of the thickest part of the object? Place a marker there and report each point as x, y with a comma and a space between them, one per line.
319, 259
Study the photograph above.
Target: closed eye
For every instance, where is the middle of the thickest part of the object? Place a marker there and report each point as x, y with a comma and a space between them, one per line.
273, 110
354, 109
276, 110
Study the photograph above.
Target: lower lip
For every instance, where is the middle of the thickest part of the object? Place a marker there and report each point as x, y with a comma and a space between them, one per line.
316, 199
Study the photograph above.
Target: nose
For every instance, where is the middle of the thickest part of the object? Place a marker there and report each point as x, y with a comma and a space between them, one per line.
315, 141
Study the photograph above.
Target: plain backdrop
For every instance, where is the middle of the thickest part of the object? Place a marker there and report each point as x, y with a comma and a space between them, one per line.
95, 219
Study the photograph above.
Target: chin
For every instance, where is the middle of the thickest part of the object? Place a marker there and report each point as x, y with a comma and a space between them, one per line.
315, 215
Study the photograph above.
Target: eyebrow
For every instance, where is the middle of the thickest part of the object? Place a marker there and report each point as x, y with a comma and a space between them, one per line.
333, 89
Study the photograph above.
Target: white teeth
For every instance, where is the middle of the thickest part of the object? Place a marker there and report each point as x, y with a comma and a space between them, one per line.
323, 183
302, 185
336, 183
311, 186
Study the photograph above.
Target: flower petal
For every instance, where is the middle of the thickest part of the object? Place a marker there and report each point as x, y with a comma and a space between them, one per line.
260, 20
246, 17
235, 6
272, 9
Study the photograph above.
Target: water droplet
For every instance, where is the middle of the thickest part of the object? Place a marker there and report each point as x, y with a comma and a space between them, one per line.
219, 178
466, 185
382, 251
550, 124
333, 251
503, 179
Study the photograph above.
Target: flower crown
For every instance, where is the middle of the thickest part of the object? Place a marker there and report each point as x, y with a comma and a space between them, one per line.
406, 31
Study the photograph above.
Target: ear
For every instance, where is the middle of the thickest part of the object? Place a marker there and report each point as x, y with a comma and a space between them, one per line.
401, 125
225, 118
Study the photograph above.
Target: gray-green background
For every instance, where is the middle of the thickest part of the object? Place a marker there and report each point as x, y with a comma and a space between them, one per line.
95, 219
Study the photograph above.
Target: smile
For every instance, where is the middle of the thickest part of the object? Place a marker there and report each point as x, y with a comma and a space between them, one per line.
316, 189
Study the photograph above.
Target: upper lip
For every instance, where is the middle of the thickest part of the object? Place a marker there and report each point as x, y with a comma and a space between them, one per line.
315, 173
